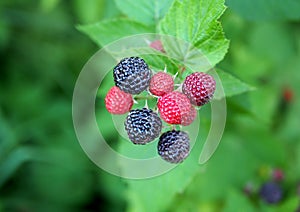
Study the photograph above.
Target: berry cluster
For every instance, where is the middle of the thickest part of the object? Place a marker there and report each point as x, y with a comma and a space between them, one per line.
271, 190
132, 76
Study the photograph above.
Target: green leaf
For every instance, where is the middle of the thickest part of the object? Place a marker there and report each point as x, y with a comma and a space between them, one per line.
261, 142
294, 171
291, 204
145, 11
157, 193
231, 85
237, 201
194, 23
210, 187
63, 170
216, 176
13, 161
113, 186
267, 9
159, 62
8, 137
89, 11
110, 10
264, 102
277, 35
106, 32
48, 5
150, 194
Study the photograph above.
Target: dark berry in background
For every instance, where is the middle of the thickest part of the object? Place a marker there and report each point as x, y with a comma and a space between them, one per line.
174, 146
143, 125
132, 75
271, 192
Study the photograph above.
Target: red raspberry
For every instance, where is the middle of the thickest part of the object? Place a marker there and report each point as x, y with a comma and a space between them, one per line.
117, 101
161, 83
288, 94
157, 45
199, 87
277, 175
187, 120
173, 107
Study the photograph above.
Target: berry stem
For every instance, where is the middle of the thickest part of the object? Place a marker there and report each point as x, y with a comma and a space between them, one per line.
165, 69
146, 104
174, 77
181, 70
143, 97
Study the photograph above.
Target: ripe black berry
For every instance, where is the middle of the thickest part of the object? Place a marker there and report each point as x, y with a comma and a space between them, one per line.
132, 75
270, 192
174, 146
143, 125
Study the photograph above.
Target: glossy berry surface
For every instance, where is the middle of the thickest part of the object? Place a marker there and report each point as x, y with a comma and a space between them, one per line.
117, 101
199, 87
132, 75
270, 192
188, 119
174, 146
173, 107
161, 83
143, 125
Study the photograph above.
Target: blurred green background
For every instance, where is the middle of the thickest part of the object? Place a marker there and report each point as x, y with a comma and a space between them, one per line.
43, 168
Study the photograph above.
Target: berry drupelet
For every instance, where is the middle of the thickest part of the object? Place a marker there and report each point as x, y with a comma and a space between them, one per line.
117, 101
199, 87
132, 75
174, 146
143, 125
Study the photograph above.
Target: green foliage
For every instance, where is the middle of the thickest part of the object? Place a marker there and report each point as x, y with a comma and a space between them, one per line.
147, 12
43, 168
13, 161
200, 28
48, 5
196, 22
166, 186
231, 85
111, 30
53, 175
94, 7
236, 201
266, 10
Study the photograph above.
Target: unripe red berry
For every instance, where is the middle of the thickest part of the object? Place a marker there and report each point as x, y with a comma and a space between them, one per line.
117, 101
174, 107
161, 83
